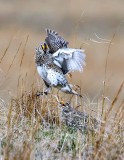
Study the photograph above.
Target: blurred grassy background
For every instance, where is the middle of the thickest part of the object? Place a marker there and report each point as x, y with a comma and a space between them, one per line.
81, 22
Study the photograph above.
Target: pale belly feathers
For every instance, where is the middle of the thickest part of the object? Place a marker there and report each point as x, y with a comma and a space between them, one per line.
51, 76
42, 72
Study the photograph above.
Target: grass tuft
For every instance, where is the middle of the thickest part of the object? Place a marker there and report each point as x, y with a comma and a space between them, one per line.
32, 129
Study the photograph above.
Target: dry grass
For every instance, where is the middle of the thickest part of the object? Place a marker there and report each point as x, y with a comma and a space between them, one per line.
31, 126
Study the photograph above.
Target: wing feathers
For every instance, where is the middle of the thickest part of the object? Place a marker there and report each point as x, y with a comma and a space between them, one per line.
49, 31
55, 41
70, 59
77, 61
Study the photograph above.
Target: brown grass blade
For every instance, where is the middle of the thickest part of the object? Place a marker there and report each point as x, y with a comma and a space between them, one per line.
106, 67
23, 54
14, 57
24, 50
6, 50
116, 98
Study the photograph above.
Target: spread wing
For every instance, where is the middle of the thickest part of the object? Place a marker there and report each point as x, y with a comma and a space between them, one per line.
69, 59
54, 41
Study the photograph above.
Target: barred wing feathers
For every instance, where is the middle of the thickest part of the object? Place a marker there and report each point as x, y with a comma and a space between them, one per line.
54, 41
70, 59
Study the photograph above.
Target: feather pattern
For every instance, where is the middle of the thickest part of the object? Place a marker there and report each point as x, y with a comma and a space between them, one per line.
54, 41
70, 59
